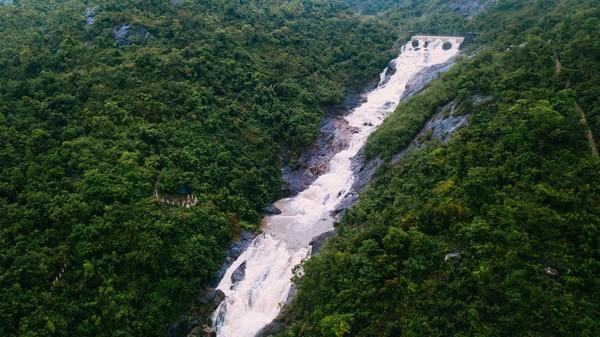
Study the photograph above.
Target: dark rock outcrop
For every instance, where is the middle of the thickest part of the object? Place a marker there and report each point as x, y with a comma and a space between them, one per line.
390, 70
424, 77
364, 170
317, 242
121, 34
127, 34
90, 14
439, 127
236, 248
550, 271
455, 256
211, 296
239, 273
196, 322
277, 324
272, 210
301, 171
447, 45
333, 137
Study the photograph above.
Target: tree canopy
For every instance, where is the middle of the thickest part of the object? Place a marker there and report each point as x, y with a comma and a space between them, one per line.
494, 233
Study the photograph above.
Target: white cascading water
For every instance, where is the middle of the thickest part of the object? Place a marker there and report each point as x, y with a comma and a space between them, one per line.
255, 301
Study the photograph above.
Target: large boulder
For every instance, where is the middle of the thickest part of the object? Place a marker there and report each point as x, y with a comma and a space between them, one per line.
211, 296
454, 256
90, 14
317, 242
272, 210
239, 273
236, 249
390, 70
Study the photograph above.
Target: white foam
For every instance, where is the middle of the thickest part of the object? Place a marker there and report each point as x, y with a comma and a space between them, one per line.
256, 300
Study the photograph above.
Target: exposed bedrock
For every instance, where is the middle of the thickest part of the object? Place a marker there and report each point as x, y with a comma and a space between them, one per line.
364, 170
317, 242
333, 136
238, 274
390, 70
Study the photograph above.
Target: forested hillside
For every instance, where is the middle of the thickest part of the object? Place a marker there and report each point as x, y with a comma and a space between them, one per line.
113, 113
494, 233
138, 138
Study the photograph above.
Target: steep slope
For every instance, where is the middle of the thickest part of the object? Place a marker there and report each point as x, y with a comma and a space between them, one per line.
495, 232
114, 115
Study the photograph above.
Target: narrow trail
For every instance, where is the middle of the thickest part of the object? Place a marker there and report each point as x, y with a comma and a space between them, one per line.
557, 64
589, 134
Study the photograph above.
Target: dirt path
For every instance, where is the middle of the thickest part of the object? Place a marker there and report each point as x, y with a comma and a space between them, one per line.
588, 131
590, 135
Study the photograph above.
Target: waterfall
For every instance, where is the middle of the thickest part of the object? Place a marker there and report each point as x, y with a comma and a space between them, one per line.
256, 300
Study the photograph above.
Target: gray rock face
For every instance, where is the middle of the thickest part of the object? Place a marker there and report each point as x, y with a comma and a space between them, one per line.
333, 137
364, 171
441, 127
127, 34
452, 257
90, 14
317, 242
121, 34
424, 77
272, 210
211, 296
444, 124
239, 273
236, 249
188, 326
389, 72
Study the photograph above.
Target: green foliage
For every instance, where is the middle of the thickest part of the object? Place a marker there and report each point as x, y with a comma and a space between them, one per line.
515, 194
205, 96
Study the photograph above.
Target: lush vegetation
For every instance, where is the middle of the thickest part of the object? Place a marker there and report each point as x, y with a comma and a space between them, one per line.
201, 97
105, 105
496, 232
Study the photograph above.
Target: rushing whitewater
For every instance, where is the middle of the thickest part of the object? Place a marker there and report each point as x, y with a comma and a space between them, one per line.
255, 301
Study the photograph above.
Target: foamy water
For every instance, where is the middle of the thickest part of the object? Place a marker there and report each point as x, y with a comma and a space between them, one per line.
256, 300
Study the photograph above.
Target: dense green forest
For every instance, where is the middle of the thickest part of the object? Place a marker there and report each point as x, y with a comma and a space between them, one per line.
494, 233
114, 112
106, 104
